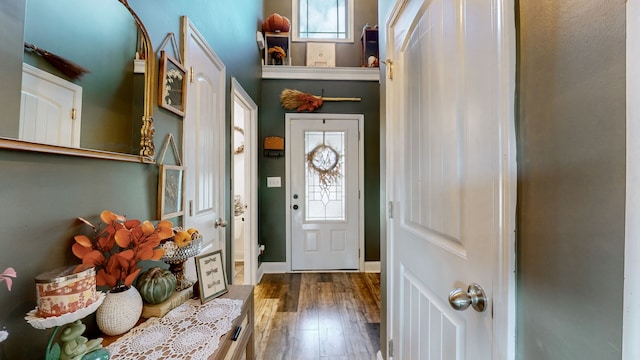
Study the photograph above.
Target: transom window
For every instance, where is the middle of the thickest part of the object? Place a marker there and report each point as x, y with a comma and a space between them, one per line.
323, 20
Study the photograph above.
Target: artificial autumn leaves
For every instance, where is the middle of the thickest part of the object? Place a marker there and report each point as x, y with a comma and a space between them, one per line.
117, 249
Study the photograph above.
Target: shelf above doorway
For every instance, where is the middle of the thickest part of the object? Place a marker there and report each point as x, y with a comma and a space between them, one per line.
320, 73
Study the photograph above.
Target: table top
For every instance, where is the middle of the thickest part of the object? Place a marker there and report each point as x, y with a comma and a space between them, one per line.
239, 292
236, 292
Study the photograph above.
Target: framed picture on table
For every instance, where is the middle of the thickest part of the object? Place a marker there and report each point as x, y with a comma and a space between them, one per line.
212, 281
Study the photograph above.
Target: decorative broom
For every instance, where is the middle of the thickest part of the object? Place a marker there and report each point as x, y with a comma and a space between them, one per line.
67, 67
300, 101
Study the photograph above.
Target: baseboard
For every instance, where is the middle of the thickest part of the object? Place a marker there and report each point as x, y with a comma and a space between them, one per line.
281, 268
239, 256
259, 274
273, 268
372, 266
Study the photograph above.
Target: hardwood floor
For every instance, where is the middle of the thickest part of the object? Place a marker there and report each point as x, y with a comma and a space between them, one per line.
318, 316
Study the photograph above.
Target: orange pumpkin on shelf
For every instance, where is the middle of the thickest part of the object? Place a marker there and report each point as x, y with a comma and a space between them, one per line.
276, 23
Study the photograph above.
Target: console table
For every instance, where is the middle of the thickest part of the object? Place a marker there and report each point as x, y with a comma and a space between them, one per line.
244, 346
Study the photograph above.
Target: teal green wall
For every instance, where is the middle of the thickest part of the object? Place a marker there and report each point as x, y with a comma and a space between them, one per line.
11, 43
41, 195
571, 181
272, 201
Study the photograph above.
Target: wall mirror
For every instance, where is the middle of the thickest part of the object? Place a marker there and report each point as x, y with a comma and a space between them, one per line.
116, 109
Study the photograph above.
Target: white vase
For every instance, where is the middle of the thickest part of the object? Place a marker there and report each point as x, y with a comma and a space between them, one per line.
119, 311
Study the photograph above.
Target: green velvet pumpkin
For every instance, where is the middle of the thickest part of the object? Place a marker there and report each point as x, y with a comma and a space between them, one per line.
156, 285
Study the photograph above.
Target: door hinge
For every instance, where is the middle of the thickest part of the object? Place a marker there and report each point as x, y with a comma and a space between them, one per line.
389, 64
190, 207
390, 348
191, 74
74, 112
358, 194
390, 210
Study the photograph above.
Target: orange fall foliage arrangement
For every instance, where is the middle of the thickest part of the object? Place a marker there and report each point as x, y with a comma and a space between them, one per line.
117, 248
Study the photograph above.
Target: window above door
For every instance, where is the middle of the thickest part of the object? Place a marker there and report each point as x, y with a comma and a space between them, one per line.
322, 20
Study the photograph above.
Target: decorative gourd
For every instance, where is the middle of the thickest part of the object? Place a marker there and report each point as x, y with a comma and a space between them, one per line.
276, 23
156, 285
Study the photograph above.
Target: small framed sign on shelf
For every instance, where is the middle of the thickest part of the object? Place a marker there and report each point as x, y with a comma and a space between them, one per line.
212, 281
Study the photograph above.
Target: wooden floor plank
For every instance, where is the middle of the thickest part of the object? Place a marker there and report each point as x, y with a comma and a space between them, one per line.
289, 298
306, 345
332, 343
367, 301
356, 335
280, 338
264, 313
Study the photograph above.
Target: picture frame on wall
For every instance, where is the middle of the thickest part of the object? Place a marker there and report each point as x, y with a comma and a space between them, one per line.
173, 84
212, 281
170, 191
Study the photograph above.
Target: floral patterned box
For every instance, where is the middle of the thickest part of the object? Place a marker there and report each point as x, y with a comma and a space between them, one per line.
65, 290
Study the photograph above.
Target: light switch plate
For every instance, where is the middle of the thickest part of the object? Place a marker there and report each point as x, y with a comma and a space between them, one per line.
273, 181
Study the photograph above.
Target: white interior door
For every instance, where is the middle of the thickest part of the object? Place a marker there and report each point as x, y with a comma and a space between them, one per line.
448, 165
204, 139
50, 110
324, 166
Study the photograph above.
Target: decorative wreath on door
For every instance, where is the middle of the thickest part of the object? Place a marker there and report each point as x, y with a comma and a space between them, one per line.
324, 161
240, 148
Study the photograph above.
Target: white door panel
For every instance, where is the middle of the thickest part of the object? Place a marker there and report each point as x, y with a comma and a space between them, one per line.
445, 173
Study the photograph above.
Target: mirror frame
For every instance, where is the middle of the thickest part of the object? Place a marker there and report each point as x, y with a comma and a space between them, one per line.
147, 147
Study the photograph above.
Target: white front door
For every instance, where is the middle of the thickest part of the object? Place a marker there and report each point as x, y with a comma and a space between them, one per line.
324, 171
204, 138
450, 116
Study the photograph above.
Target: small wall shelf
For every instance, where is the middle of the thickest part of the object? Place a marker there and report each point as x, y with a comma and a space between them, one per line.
273, 146
369, 43
280, 39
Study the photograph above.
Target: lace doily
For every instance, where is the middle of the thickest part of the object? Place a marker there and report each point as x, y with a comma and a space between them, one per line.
190, 331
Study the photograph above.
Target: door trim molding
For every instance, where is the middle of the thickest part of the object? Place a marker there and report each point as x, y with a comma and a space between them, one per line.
327, 116
505, 278
251, 181
631, 312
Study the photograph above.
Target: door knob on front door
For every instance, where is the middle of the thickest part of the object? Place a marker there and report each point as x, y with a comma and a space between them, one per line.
474, 296
220, 222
